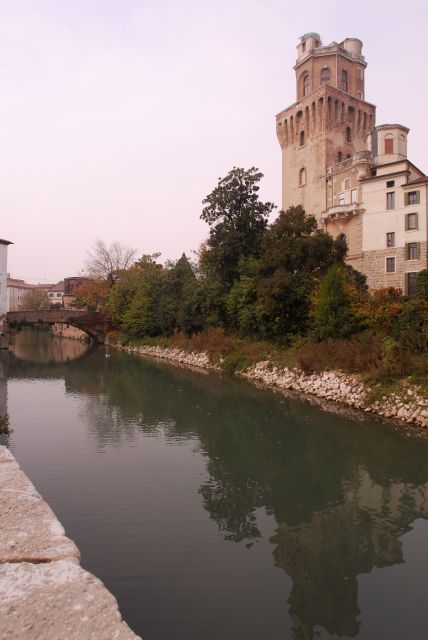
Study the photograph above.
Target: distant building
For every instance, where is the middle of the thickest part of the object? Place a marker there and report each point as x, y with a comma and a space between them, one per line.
3, 279
56, 294
352, 175
71, 289
16, 292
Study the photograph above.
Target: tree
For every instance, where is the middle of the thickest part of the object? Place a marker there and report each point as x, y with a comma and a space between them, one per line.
237, 220
34, 300
422, 284
92, 295
333, 312
106, 263
295, 255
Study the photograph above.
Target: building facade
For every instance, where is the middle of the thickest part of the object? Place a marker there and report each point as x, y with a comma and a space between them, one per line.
352, 175
16, 292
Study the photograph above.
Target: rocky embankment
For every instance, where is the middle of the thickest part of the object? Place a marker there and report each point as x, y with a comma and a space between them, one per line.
44, 592
407, 406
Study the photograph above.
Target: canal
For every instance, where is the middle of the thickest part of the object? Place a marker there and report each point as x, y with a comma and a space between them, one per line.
213, 509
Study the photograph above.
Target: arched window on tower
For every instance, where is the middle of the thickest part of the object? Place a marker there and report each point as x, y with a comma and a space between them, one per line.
302, 177
348, 134
344, 82
302, 138
325, 75
339, 156
306, 84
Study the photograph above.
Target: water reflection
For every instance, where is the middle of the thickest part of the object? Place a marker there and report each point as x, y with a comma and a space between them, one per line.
342, 494
37, 345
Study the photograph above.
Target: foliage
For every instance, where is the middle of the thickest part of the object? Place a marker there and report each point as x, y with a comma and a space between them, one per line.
34, 300
410, 328
422, 284
334, 310
237, 220
92, 295
106, 263
295, 255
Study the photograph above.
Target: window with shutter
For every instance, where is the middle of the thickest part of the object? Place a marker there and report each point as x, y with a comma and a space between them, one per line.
413, 197
412, 251
411, 221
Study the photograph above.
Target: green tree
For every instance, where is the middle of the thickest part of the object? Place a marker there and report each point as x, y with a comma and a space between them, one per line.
245, 310
422, 284
237, 220
295, 255
333, 312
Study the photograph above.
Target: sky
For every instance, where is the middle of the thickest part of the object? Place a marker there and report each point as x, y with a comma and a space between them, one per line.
117, 117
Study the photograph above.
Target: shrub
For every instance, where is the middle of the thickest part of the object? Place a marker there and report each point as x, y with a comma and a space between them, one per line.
333, 312
422, 284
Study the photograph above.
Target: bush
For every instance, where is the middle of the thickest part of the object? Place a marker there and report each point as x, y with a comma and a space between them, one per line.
411, 326
422, 284
333, 312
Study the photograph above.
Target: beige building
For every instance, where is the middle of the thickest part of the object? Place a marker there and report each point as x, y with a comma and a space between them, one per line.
16, 292
352, 175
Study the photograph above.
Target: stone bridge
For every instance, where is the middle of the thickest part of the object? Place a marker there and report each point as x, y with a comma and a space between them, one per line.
94, 323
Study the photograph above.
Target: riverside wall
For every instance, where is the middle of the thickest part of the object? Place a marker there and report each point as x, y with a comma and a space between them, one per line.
44, 592
331, 388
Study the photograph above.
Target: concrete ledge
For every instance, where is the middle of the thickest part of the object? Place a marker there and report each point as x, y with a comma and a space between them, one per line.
44, 593
57, 600
29, 530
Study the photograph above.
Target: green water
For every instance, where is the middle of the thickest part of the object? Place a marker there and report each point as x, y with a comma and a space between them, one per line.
213, 509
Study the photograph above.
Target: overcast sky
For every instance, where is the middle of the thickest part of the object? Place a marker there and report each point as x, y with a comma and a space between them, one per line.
118, 116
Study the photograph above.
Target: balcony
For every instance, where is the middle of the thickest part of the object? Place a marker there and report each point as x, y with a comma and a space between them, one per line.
360, 157
341, 211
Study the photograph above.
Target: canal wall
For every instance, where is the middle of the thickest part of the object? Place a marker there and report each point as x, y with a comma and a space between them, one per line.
44, 592
406, 406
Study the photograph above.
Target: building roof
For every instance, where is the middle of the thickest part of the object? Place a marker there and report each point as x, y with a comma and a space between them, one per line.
417, 180
2, 241
59, 286
18, 284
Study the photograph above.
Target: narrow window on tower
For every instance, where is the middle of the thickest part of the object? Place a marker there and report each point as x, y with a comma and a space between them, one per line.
339, 156
325, 75
344, 83
302, 177
348, 134
390, 200
306, 84
302, 138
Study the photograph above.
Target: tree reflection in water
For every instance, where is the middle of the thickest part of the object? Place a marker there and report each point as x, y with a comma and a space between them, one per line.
341, 493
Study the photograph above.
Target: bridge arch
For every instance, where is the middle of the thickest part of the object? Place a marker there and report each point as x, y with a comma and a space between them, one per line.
94, 323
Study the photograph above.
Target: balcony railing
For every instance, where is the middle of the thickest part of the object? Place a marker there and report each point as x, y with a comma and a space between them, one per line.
341, 211
359, 156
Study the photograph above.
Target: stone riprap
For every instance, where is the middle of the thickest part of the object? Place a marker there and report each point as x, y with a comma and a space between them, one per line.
44, 593
408, 406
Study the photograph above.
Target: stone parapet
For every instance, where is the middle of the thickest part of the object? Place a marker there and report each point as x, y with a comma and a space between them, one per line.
44, 593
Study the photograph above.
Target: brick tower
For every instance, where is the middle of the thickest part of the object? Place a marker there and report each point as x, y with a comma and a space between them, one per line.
329, 122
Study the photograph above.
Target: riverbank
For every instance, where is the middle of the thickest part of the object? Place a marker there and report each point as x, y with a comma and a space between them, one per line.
44, 592
404, 402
